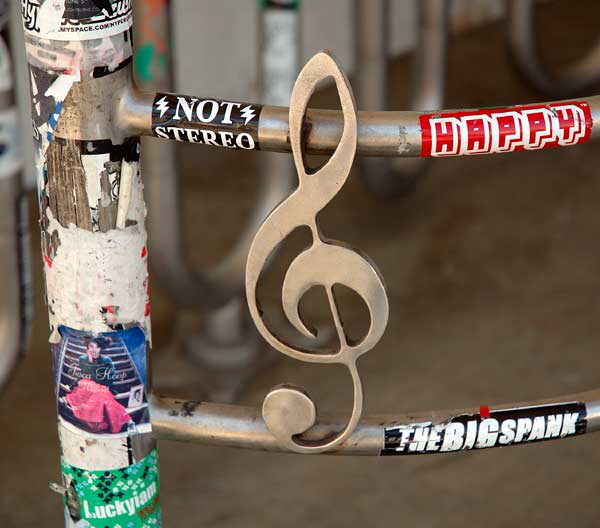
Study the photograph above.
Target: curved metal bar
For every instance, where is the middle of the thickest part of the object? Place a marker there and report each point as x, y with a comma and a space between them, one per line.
243, 427
387, 178
393, 133
520, 21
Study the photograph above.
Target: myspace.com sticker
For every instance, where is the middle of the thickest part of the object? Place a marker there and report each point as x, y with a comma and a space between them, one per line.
76, 19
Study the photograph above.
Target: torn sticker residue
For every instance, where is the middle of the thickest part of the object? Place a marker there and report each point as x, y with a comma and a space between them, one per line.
48, 91
101, 382
127, 497
93, 270
72, 56
76, 20
488, 429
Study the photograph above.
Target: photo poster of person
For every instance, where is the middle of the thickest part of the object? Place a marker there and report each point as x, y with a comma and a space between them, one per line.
101, 381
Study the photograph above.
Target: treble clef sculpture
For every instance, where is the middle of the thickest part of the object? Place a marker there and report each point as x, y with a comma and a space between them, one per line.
288, 411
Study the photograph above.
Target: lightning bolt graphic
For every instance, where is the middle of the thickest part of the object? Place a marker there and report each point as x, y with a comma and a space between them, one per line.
247, 113
162, 106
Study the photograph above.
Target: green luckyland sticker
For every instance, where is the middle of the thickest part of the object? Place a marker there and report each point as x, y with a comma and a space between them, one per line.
118, 498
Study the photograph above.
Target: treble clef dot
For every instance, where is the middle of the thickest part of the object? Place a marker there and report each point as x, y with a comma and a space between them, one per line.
288, 411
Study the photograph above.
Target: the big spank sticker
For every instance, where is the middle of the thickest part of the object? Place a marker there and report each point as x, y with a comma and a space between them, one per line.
487, 429
505, 129
207, 121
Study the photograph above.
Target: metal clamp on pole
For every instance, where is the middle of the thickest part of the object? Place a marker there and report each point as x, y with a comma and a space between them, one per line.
573, 80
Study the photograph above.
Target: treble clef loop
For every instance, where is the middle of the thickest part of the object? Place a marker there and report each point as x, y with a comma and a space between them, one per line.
288, 411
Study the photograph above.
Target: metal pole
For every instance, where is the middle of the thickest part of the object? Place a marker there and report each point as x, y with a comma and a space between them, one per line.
15, 306
92, 215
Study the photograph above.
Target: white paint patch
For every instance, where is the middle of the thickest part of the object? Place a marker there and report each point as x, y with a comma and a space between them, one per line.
93, 165
127, 172
60, 88
92, 451
50, 16
94, 270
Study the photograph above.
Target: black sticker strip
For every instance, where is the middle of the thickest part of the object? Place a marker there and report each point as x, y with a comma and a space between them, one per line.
486, 429
206, 121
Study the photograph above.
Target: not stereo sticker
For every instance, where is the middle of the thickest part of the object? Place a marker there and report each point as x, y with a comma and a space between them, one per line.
75, 19
206, 121
486, 429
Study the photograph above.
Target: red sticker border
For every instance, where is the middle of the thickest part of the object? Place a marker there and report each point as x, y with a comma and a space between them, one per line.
509, 129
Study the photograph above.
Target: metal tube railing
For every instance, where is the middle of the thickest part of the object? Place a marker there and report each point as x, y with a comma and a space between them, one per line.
392, 133
240, 426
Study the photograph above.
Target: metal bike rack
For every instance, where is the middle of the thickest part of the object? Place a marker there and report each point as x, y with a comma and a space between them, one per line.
89, 117
213, 288
243, 427
226, 341
15, 305
573, 80
387, 178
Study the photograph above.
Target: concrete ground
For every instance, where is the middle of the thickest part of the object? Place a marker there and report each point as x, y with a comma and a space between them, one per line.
492, 268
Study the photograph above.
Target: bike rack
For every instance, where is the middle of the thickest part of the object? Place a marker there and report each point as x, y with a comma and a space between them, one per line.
89, 116
575, 79
210, 289
15, 305
388, 178
225, 342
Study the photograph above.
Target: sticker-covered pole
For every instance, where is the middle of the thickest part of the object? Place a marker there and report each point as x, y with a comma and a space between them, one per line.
92, 215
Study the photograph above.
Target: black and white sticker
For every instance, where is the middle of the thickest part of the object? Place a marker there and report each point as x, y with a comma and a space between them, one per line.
76, 19
486, 429
207, 121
